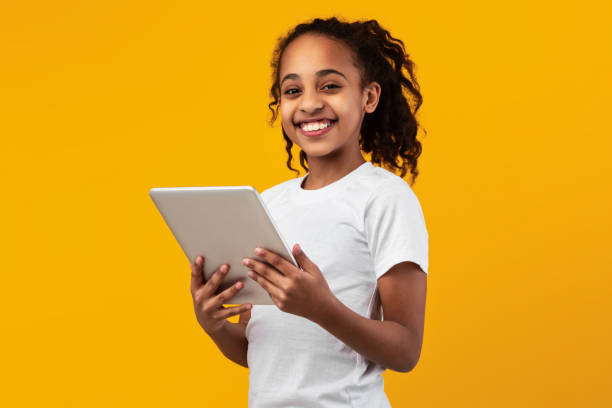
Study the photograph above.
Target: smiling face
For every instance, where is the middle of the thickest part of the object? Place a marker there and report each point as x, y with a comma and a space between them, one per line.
320, 84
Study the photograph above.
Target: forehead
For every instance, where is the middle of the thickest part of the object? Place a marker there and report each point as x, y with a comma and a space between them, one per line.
310, 53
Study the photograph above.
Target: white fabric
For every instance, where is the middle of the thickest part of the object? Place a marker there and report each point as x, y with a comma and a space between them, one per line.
355, 229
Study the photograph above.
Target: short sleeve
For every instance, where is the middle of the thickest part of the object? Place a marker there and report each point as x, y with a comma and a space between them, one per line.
395, 227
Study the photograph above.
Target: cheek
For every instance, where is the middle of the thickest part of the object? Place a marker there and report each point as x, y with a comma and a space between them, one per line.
285, 113
349, 114
346, 107
287, 123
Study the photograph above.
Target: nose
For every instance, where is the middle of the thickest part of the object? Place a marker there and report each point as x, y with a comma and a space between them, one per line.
310, 102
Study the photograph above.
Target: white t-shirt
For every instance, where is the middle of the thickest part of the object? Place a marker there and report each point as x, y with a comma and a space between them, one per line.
355, 229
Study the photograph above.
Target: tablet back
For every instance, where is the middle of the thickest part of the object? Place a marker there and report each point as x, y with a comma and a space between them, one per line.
224, 225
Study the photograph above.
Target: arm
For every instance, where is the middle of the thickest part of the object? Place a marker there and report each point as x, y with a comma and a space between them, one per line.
231, 339
394, 343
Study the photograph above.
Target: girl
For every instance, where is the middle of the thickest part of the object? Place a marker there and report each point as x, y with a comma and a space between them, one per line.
363, 244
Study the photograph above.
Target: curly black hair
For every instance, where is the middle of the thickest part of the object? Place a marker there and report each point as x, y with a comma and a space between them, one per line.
390, 131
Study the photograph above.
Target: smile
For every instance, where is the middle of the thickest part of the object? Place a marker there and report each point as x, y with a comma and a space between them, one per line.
313, 129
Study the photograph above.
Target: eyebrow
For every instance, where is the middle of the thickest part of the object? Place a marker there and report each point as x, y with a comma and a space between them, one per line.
319, 74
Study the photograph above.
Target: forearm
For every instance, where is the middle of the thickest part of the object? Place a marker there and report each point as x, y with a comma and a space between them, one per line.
232, 342
387, 343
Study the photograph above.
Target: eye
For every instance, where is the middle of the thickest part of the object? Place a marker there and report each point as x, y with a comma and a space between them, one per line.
289, 91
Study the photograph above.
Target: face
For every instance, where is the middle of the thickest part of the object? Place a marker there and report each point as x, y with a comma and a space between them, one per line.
320, 84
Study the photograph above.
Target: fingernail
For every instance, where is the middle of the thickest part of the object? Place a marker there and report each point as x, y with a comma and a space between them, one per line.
249, 306
239, 285
259, 251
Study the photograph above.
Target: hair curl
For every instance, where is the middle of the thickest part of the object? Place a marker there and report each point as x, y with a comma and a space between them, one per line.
390, 131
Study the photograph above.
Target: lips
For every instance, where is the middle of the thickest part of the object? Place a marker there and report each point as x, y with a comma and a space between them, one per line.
299, 124
317, 133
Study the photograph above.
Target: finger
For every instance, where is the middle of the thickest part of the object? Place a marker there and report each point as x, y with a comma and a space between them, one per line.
245, 317
197, 277
231, 311
267, 271
277, 261
227, 294
273, 291
215, 280
305, 263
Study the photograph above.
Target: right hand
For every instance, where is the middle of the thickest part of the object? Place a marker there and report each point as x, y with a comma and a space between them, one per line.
209, 309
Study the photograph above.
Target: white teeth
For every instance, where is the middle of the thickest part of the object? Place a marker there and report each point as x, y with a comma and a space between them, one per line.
309, 127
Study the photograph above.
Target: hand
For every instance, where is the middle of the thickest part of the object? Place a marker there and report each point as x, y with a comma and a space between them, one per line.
209, 309
303, 292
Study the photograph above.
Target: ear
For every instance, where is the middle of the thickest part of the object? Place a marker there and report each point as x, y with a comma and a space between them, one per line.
372, 96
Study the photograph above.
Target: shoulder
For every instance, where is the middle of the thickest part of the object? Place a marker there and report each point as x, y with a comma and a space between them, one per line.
272, 193
390, 190
375, 181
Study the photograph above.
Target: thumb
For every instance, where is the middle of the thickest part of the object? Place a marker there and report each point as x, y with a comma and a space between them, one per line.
303, 261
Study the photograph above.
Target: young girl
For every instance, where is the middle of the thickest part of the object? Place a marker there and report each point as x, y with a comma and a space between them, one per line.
361, 240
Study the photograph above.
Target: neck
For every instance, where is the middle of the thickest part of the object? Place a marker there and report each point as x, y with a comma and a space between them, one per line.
323, 172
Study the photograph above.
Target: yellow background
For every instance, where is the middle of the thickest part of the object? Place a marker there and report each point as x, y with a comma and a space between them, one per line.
101, 101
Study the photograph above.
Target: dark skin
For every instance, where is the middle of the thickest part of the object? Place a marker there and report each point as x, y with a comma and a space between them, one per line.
396, 342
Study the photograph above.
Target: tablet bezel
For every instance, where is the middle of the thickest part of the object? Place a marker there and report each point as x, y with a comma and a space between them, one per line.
180, 206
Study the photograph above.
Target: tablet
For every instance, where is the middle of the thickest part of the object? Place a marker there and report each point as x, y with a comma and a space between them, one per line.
223, 224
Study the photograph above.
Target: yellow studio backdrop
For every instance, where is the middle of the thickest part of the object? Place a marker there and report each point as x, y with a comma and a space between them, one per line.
101, 101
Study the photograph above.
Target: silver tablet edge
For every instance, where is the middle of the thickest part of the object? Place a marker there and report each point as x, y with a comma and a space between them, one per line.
251, 188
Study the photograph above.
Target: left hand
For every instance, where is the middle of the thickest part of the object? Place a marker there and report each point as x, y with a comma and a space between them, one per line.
303, 292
